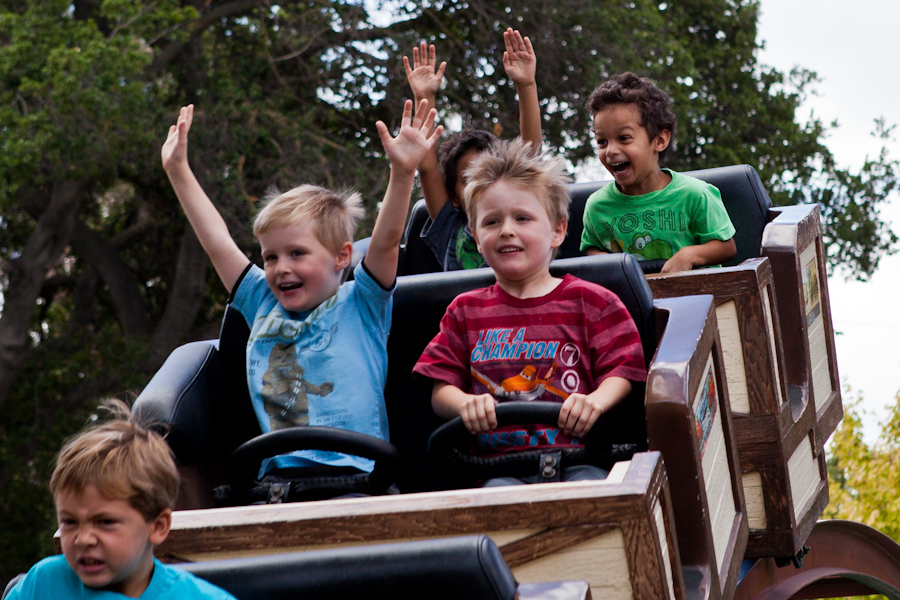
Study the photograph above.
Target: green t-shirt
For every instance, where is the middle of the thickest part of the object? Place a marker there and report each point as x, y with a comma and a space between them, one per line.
652, 226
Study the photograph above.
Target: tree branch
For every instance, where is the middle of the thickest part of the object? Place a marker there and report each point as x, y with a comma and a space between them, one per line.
123, 286
197, 27
184, 302
27, 272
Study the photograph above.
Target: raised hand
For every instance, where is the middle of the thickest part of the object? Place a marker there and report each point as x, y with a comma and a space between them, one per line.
174, 150
424, 79
519, 59
417, 135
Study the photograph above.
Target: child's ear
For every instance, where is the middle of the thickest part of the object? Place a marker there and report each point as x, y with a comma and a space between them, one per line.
662, 140
559, 233
477, 243
159, 527
343, 257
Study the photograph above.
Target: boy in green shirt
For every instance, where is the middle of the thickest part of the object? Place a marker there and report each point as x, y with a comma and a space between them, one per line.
649, 212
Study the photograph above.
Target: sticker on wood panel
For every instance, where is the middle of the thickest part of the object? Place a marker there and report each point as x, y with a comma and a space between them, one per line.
705, 410
811, 295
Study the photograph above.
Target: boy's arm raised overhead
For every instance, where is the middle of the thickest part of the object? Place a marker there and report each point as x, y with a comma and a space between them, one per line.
209, 226
520, 63
416, 137
713, 252
425, 81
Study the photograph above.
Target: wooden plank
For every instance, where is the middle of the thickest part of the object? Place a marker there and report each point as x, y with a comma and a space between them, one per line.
600, 561
550, 541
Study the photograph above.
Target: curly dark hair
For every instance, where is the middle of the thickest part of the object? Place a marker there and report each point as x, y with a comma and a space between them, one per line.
453, 149
653, 103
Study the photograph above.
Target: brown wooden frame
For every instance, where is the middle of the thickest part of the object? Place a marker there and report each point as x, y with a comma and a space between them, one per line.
554, 524
773, 417
712, 535
793, 232
783, 426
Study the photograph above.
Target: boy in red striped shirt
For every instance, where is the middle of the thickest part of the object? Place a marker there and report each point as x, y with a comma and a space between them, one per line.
531, 336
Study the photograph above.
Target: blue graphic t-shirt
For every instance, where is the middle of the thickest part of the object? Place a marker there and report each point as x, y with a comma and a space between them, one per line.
326, 367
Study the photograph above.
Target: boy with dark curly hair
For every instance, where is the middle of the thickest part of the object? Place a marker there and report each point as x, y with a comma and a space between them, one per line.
648, 211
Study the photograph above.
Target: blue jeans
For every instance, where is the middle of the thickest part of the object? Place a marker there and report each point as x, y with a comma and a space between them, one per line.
573, 473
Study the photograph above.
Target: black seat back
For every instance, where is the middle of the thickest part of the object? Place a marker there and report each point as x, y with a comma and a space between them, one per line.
419, 303
415, 256
202, 404
465, 567
742, 190
747, 203
211, 414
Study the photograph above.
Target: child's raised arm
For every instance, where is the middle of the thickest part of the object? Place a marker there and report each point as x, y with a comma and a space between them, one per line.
416, 137
520, 63
425, 81
211, 230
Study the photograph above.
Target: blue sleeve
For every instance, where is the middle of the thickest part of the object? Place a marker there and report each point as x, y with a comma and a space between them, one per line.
373, 301
49, 578
251, 291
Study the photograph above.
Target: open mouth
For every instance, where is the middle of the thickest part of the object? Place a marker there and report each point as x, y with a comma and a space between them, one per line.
620, 167
90, 564
289, 287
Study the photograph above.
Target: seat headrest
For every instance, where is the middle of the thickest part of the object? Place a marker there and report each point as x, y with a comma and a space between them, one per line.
462, 567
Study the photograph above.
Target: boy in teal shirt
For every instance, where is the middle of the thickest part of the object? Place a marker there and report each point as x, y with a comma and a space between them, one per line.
114, 487
648, 211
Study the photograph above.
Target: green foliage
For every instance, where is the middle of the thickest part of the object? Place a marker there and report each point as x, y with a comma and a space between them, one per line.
48, 409
863, 480
288, 93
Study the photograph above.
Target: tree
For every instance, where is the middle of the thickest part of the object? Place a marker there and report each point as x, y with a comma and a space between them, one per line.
102, 277
863, 480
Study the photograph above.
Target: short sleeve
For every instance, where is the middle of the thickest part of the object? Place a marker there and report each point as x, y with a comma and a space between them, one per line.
711, 220
446, 358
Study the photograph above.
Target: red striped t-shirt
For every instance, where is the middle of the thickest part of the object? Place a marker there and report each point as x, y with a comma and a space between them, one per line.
534, 349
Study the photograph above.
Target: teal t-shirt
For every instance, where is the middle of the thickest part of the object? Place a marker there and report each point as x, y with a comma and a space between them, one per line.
652, 226
52, 578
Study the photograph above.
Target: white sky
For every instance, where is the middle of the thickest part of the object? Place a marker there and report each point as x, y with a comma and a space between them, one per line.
852, 46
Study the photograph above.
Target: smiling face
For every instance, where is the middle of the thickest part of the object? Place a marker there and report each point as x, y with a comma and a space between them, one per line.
108, 543
517, 239
627, 151
300, 270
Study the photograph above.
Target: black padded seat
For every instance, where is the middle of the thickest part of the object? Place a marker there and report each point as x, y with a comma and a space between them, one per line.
469, 567
415, 256
200, 395
419, 304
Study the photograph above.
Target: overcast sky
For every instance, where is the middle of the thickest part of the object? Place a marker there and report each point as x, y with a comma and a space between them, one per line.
853, 48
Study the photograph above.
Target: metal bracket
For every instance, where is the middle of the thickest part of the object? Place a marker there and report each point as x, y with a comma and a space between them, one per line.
796, 560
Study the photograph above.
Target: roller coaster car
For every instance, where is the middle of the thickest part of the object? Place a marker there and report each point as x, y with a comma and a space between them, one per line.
618, 534
756, 341
774, 318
